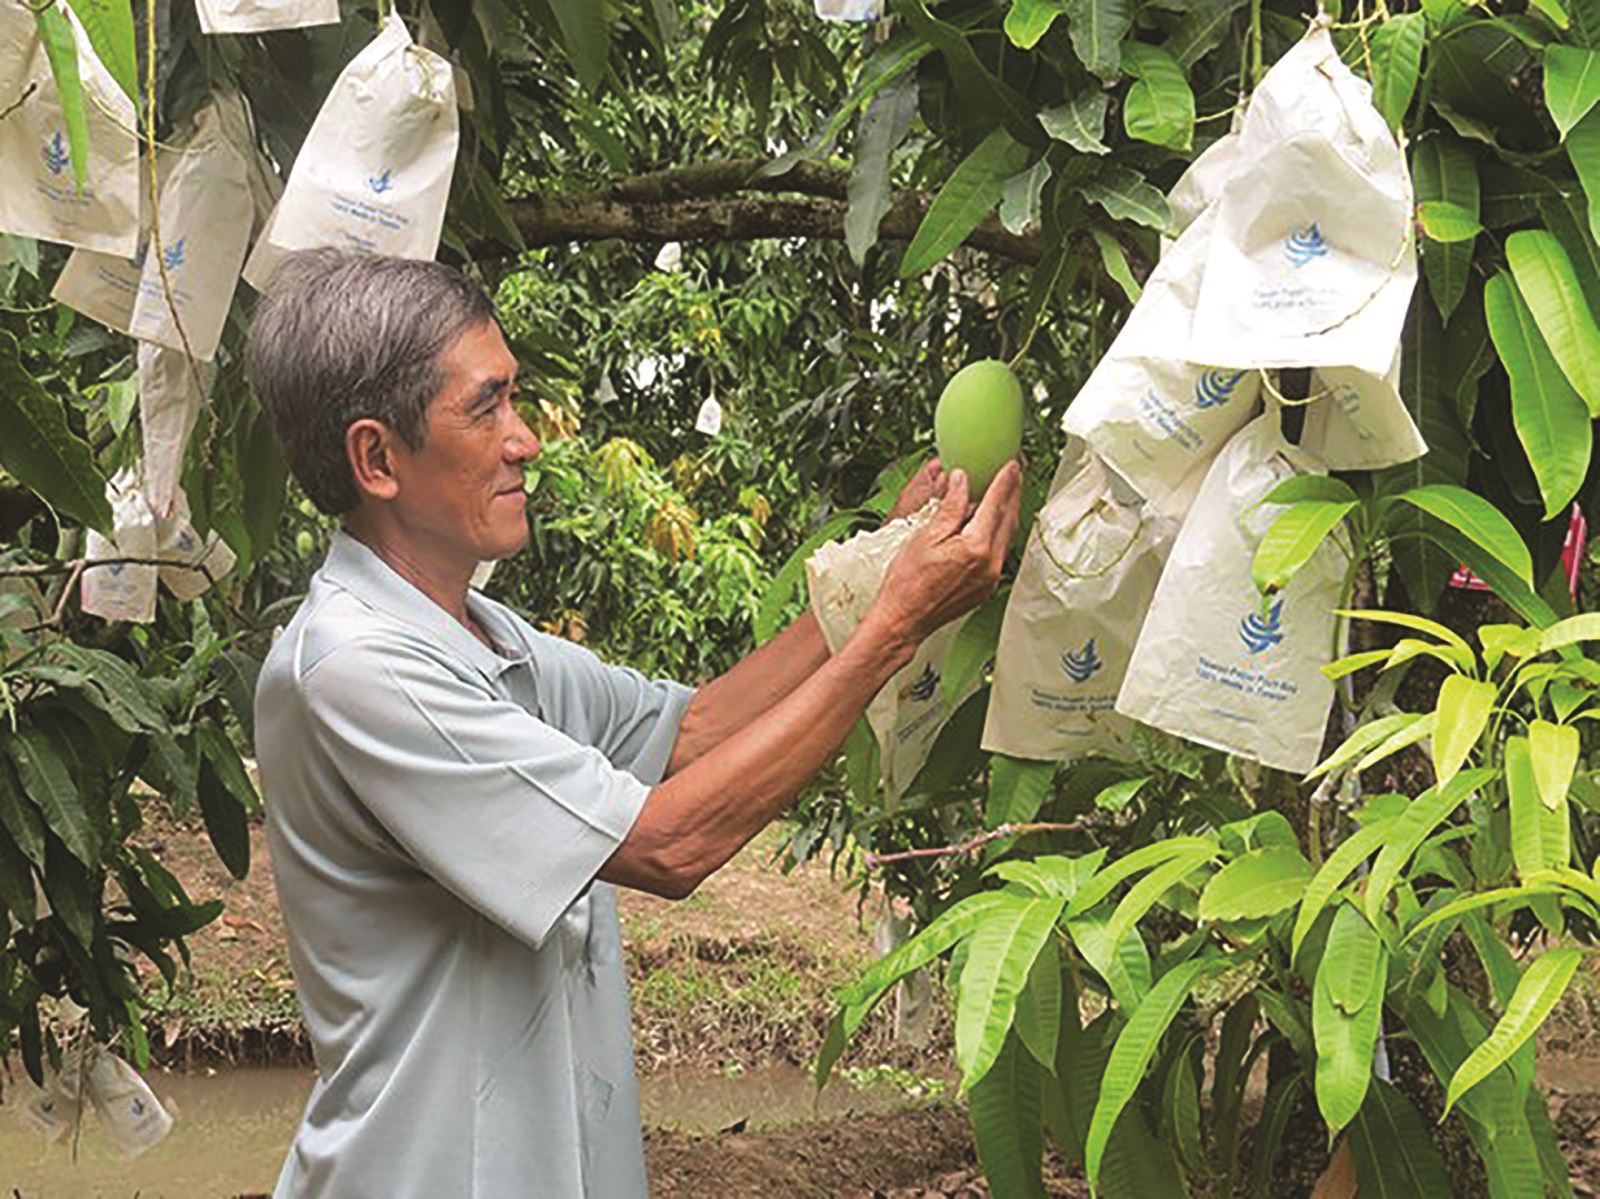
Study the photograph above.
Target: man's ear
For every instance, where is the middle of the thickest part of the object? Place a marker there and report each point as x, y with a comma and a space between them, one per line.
369, 447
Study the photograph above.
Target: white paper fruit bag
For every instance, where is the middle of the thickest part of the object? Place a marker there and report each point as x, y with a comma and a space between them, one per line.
262, 16
1153, 417
205, 196
1213, 663
168, 550
171, 393
1358, 421
1313, 262
1087, 575
374, 172
128, 1111
39, 196
907, 714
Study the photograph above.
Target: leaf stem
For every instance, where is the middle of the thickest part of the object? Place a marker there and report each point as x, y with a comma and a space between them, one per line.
873, 860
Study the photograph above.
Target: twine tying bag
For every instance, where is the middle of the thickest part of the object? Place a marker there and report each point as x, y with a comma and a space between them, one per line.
1314, 259
1090, 567
374, 172
169, 551
39, 197
1154, 419
262, 16
205, 191
1213, 663
1358, 421
907, 713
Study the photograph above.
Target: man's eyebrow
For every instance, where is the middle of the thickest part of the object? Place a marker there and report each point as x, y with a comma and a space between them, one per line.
491, 388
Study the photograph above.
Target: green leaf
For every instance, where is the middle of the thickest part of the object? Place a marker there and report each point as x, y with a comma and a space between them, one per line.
1145, 893
1124, 966
1445, 173
1180, 1108
1374, 732
1038, 1019
1300, 488
1050, 874
1017, 788
1030, 20
968, 196
1275, 1113
1520, 896
1583, 149
1350, 663
16, 883
1116, 264
1395, 742
1000, 956
1021, 199
20, 818
1585, 23
973, 648
39, 448
1463, 711
1080, 123
72, 891
975, 85
1394, 1153
1097, 28
1120, 794
1414, 826
1352, 851
110, 684
1540, 835
1549, 286
1263, 882
1571, 84
1554, 749
1294, 537
1203, 28
1159, 107
1446, 222
62, 51
1005, 1109
1126, 196
1476, 519
109, 24
47, 781
1143, 858
1396, 63
1131, 1054
883, 127
1347, 1014
791, 576
586, 35
1542, 986
225, 798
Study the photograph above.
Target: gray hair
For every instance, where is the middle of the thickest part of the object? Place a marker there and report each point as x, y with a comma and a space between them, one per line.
341, 337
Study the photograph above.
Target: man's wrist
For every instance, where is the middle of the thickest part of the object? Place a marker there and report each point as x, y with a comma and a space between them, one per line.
885, 633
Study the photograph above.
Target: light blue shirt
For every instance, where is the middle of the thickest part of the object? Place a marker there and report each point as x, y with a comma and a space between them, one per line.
436, 814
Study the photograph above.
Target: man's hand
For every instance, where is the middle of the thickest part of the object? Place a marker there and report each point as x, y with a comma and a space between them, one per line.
952, 564
929, 483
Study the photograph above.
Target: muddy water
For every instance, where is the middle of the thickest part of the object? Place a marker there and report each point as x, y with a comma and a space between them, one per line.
233, 1126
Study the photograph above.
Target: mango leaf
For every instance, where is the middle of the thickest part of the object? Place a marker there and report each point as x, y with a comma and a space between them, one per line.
1445, 173
1145, 893
226, 796
973, 648
1262, 882
1347, 1014
1516, 896
1463, 711
1124, 966
1202, 29
1583, 627
1098, 28
1143, 858
1549, 286
16, 884
790, 576
1393, 1150
1352, 851
586, 35
1540, 835
1397, 741
1131, 1054
1038, 1019
1571, 84
1000, 956
1275, 1113
1554, 749
1542, 986
1080, 123
1119, 794
1005, 1109
1116, 264
1396, 63
1443, 221
1017, 788
1585, 23
1583, 149
968, 196
1294, 537
1159, 107
1022, 197
20, 819
1299, 488
39, 448
1414, 826
1126, 196
883, 127
62, 51
46, 780
1374, 732
975, 84
1350, 663
1050, 874
1476, 519
1180, 1108
1030, 20
109, 25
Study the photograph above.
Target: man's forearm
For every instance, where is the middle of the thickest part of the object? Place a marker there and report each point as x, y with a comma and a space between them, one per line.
699, 817
758, 681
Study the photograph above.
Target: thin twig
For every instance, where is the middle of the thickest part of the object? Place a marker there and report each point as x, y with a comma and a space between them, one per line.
78, 565
21, 100
60, 612
874, 860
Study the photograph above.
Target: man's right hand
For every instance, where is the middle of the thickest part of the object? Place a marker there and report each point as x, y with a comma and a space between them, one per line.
952, 564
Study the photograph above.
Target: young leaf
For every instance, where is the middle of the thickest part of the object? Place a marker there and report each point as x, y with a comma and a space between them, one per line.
969, 195
62, 51
1080, 122
1571, 84
1396, 63
1583, 627
1159, 107
1352, 851
1298, 488
1143, 858
1144, 894
1540, 835
1262, 882
1038, 1019
1017, 788
1583, 149
1030, 20
1131, 1054
1476, 519
1463, 711
1445, 222
1549, 286
1554, 749
1294, 537
109, 26
1444, 171
1000, 956
1120, 794
1542, 986
1520, 896
1347, 1014
1411, 828
1395, 742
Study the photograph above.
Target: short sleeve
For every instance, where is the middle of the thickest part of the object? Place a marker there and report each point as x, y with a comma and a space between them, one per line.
510, 814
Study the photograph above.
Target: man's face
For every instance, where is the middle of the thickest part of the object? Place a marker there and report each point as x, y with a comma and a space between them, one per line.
462, 490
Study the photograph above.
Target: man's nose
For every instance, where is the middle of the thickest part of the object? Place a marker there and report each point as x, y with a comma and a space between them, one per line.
522, 445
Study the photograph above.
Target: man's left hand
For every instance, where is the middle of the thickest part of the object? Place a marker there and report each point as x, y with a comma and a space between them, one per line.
929, 483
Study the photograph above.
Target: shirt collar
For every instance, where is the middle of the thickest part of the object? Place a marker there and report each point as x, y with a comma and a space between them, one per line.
356, 568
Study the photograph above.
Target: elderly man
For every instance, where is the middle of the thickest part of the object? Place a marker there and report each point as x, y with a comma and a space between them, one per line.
449, 792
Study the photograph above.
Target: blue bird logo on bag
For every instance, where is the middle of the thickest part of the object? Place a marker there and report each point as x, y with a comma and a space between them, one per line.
172, 256
927, 683
1260, 632
56, 155
1081, 666
1215, 387
1304, 245
381, 183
